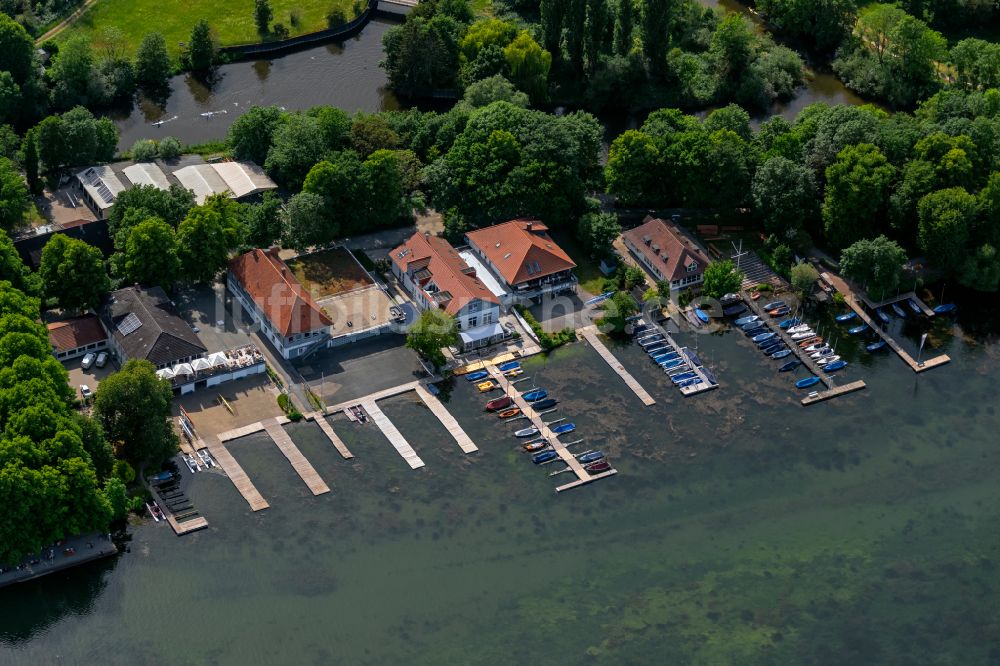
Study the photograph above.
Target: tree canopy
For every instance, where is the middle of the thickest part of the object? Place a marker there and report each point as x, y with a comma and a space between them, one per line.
73, 273
876, 264
720, 278
133, 406
433, 330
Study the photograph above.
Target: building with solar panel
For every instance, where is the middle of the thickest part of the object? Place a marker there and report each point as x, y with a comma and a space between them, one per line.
143, 324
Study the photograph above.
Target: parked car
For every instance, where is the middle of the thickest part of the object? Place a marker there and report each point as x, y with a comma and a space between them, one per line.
102, 359
86, 392
88, 361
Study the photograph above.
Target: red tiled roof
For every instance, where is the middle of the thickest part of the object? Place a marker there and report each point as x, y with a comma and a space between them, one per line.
278, 293
521, 250
447, 269
670, 248
75, 333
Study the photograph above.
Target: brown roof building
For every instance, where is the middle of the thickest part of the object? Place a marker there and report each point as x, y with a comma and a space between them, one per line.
77, 336
667, 251
289, 316
144, 324
525, 258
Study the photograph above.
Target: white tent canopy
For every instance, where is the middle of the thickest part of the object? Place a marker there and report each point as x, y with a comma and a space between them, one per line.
183, 369
218, 359
481, 333
165, 373
201, 364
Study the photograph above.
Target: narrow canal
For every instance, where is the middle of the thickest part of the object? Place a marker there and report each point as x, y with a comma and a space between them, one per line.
742, 528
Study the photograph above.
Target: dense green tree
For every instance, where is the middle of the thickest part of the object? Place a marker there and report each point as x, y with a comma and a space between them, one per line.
617, 310
95, 444
529, 65
976, 63
804, 276
731, 117
13, 195
918, 178
150, 255
10, 97
133, 406
597, 231
624, 26
142, 202
13, 270
433, 330
308, 222
819, 24
296, 146
262, 220
947, 218
874, 263
371, 132
30, 161
169, 148
720, 278
75, 138
117, 498
201, 47
485, 33
206, 236
335, 125
493, 89
250, 136
981, 269
422, 54
784, 194
75, 76
152, 63
73, 273
384, 180
262, 16
18, 50
655, 25
857, 189
631, 174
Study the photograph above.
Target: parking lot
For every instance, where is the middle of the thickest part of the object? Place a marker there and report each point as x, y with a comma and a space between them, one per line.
217, 317
91, 377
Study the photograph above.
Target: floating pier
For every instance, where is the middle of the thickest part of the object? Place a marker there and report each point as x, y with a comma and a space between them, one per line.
590, 334
583, 476
327, 429
391, 432
708, 381
829, 380
236, 474
302, 467
851, 299
447, 420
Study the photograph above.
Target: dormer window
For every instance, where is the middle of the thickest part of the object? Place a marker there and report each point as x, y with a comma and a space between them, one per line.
692, 267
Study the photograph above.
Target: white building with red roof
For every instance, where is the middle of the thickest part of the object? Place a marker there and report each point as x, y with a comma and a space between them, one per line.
288, 315
668, 252
524, 257
436, 276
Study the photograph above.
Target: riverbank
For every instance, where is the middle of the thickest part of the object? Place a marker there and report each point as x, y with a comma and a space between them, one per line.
67, 554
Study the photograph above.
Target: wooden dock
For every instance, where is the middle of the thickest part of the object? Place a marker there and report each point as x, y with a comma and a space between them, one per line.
852, 300
302, 467
708, 381
187, 526
446, 419
590, 334
236, 474
582, 475
392, 433
327, 429
820, 396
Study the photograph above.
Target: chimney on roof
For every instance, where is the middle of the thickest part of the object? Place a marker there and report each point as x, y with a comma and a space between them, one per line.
427, 234
527, 227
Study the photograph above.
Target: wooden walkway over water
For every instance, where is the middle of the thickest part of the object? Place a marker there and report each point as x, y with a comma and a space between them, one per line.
590, 334
852, 300
302, 467
236, 474
707, 383
582, 475
327, 429
447, 420
391, 433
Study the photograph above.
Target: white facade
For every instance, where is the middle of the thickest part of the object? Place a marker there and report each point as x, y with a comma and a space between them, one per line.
289, 347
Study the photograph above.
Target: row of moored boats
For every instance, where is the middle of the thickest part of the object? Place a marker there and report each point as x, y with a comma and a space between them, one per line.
680, 364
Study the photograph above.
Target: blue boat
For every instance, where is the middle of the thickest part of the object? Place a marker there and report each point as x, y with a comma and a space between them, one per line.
162, 477
701, 314
677, 379
670, 365
689, 382
782, 354
545, 404
590, 456
760, 330
774, 304
807, 382
732, 310
833, 367
875, 346
945, 308
790, 365
774, 349
881, 315
544, 456
563, 428
651, 340
666, 357
900, 312
917, 310
847, 316
762, 337
536, 395
509, 365
597, 299
659, 351
477, 375
858, 329
788, 323
752, 325
743, 321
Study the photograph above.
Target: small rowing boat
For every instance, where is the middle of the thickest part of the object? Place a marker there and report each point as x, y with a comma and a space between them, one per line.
761, 337
485, 387
690, 381
743, 321
678, 378
733, 310
782, 354
701, 315
536, 445
599, 466
526, 432
544, 456
548, 403
507, 413
675, 363
797, 328
881, 315
779, 312
826, 360
497, 404
509, 365
875, 346
847, 316
858, 329
773, 305
914, 307
791, 365
810, 341
536, 395
900, 312
814, 347
564, 428
945, 308
807, 382
833, 367
754, 295
476, 376
802, 335
590, 456
788, 323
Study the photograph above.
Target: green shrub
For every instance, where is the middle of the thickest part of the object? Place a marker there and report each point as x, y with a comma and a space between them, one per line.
839, 299
763, 287
547, 341
284, 402
169, 148
336, 16
144, 150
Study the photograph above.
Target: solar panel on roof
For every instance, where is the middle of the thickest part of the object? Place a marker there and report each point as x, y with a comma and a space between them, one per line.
130, 324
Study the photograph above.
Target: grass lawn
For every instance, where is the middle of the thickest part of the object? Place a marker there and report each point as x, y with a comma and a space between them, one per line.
232, 20
588, 270
328, 273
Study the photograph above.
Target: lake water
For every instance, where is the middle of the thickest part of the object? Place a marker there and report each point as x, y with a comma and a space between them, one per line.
742, 528
346, 76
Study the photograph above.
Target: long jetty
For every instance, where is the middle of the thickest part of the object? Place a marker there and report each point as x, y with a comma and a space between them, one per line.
590, 334
707, 382
833, 390
302, 467
851, 299
236, 474
392, 433
446, 419
582, 475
